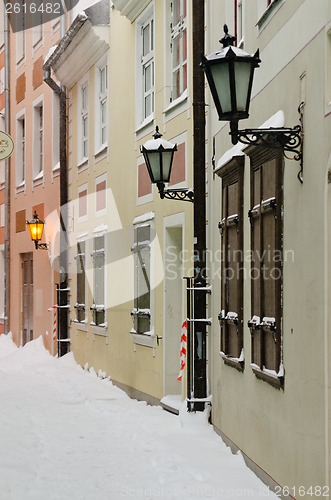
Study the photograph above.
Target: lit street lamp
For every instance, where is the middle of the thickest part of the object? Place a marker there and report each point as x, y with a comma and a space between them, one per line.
36, 228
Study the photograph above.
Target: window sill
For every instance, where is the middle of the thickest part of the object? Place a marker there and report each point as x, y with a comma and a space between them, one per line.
38, 180
182, 98
233, 362
20, 188
99, 330
143, 339
148, 121
82, 165
270, 11
101, 153
274, 380
80, 325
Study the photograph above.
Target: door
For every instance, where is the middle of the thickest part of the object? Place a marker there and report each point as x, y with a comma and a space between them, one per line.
27, 298
174, 314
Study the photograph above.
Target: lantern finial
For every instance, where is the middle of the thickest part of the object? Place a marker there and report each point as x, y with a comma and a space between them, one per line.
157, 134
227, 39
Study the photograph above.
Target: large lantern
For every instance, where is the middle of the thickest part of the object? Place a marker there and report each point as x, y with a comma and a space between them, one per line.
229, 72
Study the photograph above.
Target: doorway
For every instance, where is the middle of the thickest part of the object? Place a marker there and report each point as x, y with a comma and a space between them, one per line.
27, 297
173, 304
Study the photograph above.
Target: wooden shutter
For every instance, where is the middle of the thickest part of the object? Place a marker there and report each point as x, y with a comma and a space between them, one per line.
231, 229
266, 267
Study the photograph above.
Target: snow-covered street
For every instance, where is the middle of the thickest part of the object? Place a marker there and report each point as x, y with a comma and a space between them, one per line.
67, 434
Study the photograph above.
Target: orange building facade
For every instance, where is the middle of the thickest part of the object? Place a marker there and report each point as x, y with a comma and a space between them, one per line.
34, 184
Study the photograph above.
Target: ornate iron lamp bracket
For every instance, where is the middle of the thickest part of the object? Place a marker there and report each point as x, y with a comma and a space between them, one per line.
41, 246
180, 194
286, 139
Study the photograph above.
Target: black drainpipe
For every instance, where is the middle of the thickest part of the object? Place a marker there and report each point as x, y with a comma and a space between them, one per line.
199, 166
63, 340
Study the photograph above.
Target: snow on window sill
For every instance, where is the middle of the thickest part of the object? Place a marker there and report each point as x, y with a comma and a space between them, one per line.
238, 363
146, 339
270, 11
82, 164
182, 98
148, 121
20, 188
39, 179
270, 376
101, 153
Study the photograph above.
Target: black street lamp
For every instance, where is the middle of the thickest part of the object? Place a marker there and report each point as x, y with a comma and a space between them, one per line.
229, 73
36, 228
159, 155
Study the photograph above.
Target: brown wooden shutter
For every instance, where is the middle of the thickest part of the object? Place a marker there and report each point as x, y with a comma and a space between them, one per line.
266, 250
231, 229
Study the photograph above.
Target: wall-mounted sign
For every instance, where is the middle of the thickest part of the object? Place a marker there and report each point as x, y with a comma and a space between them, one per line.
6, 145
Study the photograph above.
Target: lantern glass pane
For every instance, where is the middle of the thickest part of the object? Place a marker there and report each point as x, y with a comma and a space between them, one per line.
242, 78
154, 161
166, 161
221, 75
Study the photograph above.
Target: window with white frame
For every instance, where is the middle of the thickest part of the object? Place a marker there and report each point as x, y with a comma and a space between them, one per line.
142, 280
83, 112
56, 131
37, 29
101, 138
178, 47
80, 305
20, 150
145, 81
239, 26
38, 139
20, 34
98, 307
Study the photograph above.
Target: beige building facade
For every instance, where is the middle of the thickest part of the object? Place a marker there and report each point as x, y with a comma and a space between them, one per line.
269, 259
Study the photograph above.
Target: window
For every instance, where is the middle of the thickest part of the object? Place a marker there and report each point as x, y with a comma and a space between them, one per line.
238, 21
101, 138
81, 282
37, 28
266, 266
20, 150
56, 131
142, 294
145, 77
147, 63
178, 48
98, 306
83, 123
38, 140
231, 229
19, 29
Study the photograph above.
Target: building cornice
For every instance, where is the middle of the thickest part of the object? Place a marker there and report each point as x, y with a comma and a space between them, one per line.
130, 8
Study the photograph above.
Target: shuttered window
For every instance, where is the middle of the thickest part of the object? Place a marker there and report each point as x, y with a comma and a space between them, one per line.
265, 215
231, 229
142, 302
81, 282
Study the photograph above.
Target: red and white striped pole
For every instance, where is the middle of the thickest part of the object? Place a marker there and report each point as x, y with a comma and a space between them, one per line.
54, 308
183, 344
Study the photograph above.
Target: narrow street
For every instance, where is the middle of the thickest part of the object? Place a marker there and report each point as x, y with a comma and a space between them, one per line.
68, 434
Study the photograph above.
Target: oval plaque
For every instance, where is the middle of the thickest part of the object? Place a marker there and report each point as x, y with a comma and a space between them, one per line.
6, 145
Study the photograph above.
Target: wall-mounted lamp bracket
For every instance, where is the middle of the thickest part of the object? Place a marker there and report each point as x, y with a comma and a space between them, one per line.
41, 246
286, 139
180, 194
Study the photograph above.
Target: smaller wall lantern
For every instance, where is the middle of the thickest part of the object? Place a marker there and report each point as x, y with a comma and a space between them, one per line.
36, 228
159, 154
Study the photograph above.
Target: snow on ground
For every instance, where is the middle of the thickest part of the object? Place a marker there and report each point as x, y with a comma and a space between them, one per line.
67, 434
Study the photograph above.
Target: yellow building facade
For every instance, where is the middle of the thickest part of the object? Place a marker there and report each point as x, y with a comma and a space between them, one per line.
129, 250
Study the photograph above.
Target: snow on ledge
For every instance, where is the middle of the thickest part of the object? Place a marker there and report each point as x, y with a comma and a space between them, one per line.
275, 121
